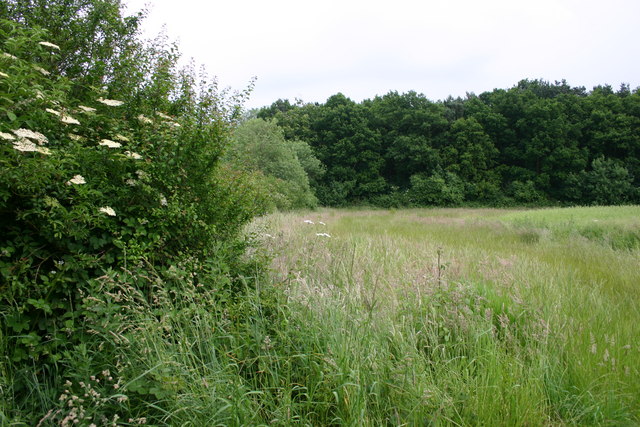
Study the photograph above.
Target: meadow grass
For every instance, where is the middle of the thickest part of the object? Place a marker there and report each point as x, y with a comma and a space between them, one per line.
463, 317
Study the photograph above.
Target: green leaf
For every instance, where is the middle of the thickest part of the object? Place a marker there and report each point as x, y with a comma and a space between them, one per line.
12, 117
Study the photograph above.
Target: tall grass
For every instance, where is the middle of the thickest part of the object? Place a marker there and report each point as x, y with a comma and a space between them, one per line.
461, 317
417, 317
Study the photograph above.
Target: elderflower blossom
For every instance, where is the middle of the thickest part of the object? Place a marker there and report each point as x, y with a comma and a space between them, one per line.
69, 120
42, 70
109, 143
133, 155
75, 137
77, 180
4, 75
110, 102
52, 111
51, 45
108, 210
7, 136
25, 145
29, 134
144, 119
8, 55
163, 201
86, 109
121, 138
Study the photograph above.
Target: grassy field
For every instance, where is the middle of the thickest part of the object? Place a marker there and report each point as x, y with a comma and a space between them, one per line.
457, 316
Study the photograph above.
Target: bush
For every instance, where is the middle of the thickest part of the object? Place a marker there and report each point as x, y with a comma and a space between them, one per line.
93, 185
439, 189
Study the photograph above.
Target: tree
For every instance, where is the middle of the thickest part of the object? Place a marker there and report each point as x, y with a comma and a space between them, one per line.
259, 146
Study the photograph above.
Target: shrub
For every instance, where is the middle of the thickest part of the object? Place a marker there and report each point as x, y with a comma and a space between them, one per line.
94, 185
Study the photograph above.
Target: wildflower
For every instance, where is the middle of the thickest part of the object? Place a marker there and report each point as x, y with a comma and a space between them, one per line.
8, 55
133, 155
25, 145
77, 180
86, 109
110, 102
7, 136
131, 182
54, 112
163, 201
51, 45
121, 138
323, 234
144, 119
42, 70
69, 120
108, 210
163, 116
4, 75
321, 223
109, 143
308, 221
29, 134
74, 137
142, 174
174, 124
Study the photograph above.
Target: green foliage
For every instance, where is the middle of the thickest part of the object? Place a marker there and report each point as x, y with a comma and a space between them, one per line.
438, 189
259, 147
533, 143
607, 183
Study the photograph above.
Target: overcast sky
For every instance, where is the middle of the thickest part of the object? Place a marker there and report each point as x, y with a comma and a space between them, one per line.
314, 49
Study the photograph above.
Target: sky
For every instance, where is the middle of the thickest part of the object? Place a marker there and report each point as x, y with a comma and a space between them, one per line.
310, 50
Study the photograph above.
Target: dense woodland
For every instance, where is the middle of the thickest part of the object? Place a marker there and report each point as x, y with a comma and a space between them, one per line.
535, 143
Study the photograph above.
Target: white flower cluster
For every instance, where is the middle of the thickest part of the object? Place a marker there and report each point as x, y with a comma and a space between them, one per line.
25, 140
108, 210
109, 143
77, 180
110, 102
51, 45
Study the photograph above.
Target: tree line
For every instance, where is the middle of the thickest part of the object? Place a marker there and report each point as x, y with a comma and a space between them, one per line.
535, 143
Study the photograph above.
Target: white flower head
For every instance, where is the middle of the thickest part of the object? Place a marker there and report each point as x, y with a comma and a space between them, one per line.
143, 119
108, 210
308, 221
69, 120
110, 102
25, 145
133, 155
7, 136
4, 75
52, 111
163, 116
77, 180
86, 109
121, 138
8, 55
51, 45
42, 70
323, 234
321, 223
163, 201
75, 137
142, 174
109, 143
131, 182
26, 133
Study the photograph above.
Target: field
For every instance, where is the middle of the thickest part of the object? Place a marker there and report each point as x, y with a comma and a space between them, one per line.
457, 316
